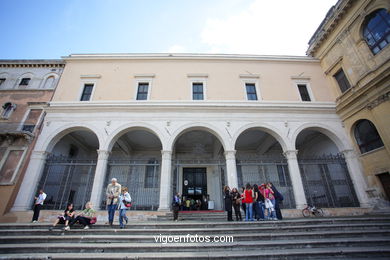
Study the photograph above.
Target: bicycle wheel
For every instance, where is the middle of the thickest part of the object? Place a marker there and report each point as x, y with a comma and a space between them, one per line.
306, 212
319, 212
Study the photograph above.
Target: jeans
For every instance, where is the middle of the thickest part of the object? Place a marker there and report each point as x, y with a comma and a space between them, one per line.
271, 211
249, 212
262, 208
111, 213
82, 220
122, 217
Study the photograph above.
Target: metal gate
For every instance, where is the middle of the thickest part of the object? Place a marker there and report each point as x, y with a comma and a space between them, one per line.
142, 177
66, 180
268, 170
327, 182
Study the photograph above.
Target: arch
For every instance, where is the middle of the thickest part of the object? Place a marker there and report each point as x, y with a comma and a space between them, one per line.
333, 135
60, 132
46, 78
265, 128
366, 135
115, 135
24, 75
223, 139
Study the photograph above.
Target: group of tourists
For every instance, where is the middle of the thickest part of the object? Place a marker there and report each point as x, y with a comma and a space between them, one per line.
117, 197
259, 202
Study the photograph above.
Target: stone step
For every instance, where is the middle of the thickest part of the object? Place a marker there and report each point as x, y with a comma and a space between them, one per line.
247, 228
376, 252
190, 247
126, 238
170, 223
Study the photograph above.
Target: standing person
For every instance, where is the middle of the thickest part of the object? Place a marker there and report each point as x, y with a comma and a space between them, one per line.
85, 218
243, 205
112, 192
269, 197
261, 201
258, 203
278, 199
237, 204
248, 198
65, 218
38, 205
176, 206
124, 201
228, 203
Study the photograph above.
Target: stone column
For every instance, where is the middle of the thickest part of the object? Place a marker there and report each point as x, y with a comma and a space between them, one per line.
98, 180
357, 176
296, 178
165, 181
231, 169
30, 181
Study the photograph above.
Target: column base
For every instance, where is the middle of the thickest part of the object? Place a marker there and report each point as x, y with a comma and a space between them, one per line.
164, 209
300, 206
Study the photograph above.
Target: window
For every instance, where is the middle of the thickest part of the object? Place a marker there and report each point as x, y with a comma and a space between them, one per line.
10, 165
197, 91
7, 110
251, 91
24, 81
342, 80
367, 136
151, 178
305, 96
49, 82
142, 92
31, 120
2, 80
376, 30
87, 92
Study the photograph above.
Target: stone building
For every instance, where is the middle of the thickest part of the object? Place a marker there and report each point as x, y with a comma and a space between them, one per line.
26, 87
165, 123
352, 44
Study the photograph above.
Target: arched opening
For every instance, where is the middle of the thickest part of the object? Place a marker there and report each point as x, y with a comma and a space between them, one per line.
49, 82
199, 171
135, 162
260, 160
366, 136
376, 30
69, 169
324, 172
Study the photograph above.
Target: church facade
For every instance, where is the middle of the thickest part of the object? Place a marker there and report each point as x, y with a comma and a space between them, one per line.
167, 123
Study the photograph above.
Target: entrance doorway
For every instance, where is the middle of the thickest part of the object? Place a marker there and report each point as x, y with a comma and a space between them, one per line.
194, 183
385, 180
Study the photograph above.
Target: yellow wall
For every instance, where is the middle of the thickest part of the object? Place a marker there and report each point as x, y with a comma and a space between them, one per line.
171, 81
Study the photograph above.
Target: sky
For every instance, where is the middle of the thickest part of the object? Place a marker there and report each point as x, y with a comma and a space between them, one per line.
50, 29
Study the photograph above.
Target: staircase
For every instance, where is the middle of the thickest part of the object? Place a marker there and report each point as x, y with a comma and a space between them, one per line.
365, 237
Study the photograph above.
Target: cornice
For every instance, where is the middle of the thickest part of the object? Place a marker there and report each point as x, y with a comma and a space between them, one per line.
222, 106
55, 63
187, 56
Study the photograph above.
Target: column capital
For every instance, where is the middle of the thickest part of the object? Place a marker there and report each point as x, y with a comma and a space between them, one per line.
290, 154
349, 153
230, 154
39, 155
166, 154
103, 154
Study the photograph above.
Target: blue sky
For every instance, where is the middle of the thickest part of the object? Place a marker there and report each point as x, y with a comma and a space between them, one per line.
51, 29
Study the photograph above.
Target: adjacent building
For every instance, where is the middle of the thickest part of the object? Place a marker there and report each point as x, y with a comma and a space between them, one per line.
352, 44
26, 87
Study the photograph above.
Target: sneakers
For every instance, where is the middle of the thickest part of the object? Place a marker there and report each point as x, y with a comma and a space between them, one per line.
86, 227
50, 228
34, 221
67, 228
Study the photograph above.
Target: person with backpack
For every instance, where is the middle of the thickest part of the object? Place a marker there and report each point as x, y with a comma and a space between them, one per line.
278, 200
124, 204
176, 206
248, 200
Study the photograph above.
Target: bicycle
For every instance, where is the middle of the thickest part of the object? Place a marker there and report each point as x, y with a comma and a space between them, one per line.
310, 211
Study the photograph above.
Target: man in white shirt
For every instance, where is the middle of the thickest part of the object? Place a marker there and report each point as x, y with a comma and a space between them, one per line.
38, 205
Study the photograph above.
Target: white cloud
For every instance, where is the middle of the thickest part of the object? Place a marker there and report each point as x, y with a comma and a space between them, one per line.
267, 27
177, 49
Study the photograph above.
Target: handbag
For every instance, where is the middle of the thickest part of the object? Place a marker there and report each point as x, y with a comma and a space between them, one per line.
268, 204
126, 203
93, 220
